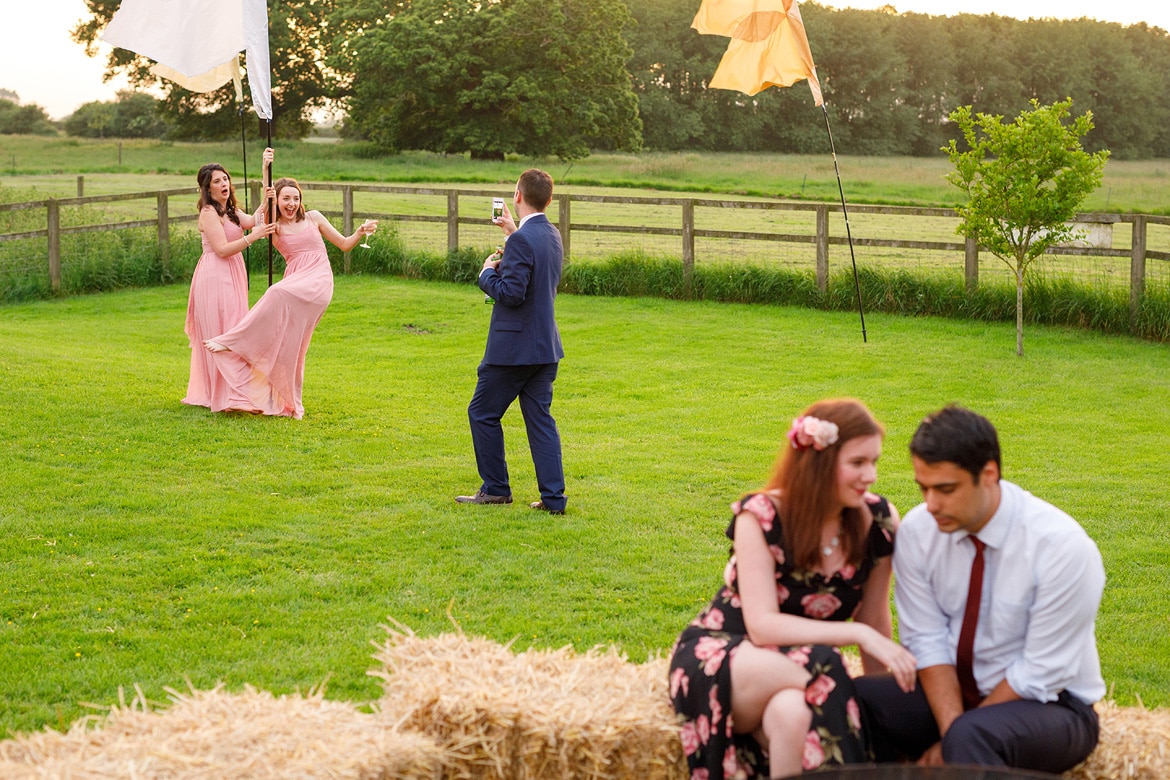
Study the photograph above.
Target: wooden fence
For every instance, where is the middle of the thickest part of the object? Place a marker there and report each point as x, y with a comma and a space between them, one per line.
686, 232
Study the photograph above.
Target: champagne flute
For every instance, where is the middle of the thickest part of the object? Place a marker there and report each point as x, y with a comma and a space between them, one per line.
365, 244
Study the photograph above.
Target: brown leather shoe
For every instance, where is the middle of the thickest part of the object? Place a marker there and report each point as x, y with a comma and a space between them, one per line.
540, 505
481, 497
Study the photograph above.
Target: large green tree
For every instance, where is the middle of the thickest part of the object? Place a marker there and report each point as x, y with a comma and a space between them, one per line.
298, 31
1024, 181
535, 77
30, 119
132, 115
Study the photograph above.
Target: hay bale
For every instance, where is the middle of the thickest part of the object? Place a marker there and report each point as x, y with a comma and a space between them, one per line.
1133, 745
557, 714
216, 735
538, 714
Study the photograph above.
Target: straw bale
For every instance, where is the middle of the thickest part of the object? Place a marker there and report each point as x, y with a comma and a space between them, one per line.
595, 716
213, 734
537, 714
1133, 745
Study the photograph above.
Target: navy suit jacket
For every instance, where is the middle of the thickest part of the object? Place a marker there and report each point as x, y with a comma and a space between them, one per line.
524, 328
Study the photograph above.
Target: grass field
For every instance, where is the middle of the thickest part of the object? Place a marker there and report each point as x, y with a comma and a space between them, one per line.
52, 166
144, 542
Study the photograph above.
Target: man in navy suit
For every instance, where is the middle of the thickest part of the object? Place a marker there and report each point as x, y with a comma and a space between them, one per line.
523, 349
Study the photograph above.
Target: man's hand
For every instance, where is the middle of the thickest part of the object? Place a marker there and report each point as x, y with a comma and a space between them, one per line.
506, 222
492, 261
933, 756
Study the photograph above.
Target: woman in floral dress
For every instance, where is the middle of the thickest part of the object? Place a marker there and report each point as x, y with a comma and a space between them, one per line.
757, 679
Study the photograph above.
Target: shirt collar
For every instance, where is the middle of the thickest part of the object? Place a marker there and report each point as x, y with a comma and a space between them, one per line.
995, 532
527, 217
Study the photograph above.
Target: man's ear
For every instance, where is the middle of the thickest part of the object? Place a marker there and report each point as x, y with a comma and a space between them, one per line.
989, 475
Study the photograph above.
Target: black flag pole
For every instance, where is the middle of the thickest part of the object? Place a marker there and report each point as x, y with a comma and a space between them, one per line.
848, 231
270, 210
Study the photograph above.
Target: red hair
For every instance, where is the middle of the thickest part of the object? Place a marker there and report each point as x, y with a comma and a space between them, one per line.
806, 481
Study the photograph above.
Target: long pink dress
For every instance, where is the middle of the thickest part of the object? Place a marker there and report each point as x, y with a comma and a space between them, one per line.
218, 301
273, 338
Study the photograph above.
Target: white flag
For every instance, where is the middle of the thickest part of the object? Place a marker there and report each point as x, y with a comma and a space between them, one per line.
256, 44
195, 37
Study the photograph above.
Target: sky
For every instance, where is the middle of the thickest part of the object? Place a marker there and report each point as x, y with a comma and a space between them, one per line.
42, 65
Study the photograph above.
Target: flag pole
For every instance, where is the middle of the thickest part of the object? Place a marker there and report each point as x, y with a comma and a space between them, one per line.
269, 212
845, 211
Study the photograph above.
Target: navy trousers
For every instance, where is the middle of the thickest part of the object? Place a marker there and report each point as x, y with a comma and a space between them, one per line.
497, 388
1045, 737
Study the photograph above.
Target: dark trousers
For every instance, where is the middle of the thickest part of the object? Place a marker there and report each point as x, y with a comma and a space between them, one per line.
1044, 737
497, 388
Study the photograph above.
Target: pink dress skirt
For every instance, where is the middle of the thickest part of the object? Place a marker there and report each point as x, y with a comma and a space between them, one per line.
266, 361
218, 301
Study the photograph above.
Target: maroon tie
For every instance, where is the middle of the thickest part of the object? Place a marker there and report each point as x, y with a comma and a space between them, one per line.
966, 650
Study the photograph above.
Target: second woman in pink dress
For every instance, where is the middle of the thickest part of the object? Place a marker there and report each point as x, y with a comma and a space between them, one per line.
264, 355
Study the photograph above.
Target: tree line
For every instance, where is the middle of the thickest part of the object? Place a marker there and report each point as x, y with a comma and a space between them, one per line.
891, 80
563, 77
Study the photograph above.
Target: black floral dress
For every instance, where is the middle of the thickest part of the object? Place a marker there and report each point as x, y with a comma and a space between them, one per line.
700, 669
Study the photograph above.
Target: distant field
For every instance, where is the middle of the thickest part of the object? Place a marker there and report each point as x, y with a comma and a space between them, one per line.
152, 166
52, 165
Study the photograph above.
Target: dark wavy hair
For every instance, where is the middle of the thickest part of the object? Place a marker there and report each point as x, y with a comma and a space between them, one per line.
205, 199
957, 435
807, 482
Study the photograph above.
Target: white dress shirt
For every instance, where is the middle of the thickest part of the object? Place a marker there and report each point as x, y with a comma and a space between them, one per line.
1042, 585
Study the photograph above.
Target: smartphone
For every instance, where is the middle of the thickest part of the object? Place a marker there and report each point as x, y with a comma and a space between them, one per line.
497, 209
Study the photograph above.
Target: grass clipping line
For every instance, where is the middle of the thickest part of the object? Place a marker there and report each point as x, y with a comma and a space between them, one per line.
538, 714
220, 736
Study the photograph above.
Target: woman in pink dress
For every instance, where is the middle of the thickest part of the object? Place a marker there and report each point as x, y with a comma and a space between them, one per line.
270, 343
219, 286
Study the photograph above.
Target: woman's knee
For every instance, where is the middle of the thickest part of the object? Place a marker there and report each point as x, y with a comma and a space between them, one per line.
787, 711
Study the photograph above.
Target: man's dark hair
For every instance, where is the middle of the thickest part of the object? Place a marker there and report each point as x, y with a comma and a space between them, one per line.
536, 186
957, 435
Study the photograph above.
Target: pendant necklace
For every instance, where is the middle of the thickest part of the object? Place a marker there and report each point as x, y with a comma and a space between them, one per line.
832, 546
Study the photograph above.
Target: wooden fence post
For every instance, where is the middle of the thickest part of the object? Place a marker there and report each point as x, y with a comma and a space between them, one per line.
81, 186
822, 248
1137, 268
971, 264
563, 222
688, 244
54, 225
164, 234
346, 219
255, 193
452, 221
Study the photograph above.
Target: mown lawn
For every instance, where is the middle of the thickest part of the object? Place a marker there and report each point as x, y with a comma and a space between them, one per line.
144, 542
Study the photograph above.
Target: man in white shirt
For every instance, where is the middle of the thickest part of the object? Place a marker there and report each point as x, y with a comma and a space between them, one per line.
1013, 683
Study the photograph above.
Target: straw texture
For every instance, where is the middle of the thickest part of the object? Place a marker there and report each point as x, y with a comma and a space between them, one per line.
453, 708
537, 714
221, 736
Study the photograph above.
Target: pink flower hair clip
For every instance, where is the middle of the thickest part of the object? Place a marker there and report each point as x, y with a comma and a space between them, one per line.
809, 431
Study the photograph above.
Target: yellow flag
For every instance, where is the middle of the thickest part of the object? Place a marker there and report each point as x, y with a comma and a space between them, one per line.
768, 46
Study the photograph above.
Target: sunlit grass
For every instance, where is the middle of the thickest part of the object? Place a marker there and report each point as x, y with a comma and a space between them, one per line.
146, 542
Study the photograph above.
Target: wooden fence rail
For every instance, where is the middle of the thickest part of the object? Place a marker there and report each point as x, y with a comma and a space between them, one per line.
821, 240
